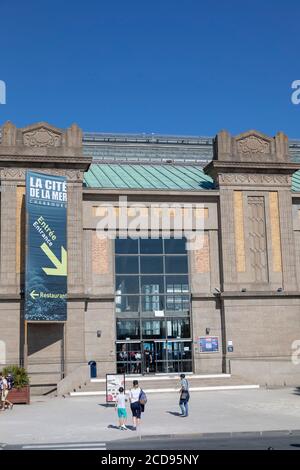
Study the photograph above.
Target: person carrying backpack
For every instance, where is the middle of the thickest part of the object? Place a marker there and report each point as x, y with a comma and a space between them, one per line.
184, 396
138, 400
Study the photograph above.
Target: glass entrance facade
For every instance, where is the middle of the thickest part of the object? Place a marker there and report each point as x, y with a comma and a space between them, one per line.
152, 306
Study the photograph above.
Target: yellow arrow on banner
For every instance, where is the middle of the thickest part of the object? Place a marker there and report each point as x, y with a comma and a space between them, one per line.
60, 266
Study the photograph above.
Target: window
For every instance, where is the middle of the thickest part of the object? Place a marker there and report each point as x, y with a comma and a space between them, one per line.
152, 276
175, 246
178, 328
127, 285
177, 284
126, 247
127, 265
177, 303
152, 303
152, 265
127, 303
128, 329
153, 329
152, 285
176, 264
149, 246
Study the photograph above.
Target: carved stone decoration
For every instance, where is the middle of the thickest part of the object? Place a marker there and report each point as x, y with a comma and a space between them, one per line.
42, 138
18, 174
255, 179
257, 238
252, 146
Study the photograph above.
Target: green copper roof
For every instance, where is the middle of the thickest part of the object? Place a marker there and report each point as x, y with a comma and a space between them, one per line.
126, 176
296, 181
168, 176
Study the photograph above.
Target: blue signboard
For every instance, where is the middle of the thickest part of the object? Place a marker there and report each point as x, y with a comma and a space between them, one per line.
209, 344
46, 253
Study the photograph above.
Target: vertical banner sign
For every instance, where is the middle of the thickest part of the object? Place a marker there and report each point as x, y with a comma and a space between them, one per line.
46, 254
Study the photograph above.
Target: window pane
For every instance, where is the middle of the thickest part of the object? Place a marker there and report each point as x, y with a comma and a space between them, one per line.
178, 328
151, 264
127, 303
174, 245
152, 303
128, 329
152, 284
177, 303
176, 264
153, 329
187, 354
126, 246
149, 246
177, 284
127, 265
127, 285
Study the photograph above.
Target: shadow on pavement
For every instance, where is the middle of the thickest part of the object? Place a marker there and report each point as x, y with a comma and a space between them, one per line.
113, 426
174, 413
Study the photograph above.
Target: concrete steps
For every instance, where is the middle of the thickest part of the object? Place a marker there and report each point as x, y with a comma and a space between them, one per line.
154, 384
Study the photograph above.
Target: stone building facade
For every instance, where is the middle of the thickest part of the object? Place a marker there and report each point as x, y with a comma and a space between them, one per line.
241, 287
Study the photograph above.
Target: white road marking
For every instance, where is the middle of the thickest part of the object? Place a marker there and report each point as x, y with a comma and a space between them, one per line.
142, 378
100, 446
168, 390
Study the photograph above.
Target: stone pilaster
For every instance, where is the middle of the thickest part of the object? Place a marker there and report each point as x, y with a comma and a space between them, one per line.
287, 241
227, 232
8, 238
75, 239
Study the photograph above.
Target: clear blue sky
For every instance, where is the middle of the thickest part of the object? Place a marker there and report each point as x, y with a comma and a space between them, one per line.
187, 67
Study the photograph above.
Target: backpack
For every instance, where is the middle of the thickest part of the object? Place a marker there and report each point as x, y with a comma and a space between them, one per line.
143, 398
10, 382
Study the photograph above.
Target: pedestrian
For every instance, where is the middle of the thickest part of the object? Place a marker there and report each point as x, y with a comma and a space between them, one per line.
138, 358
1, 394
148, 359
184, 396
135, 405
4, 393
121, 408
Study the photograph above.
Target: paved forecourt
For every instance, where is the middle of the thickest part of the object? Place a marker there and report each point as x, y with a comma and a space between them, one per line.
88, 419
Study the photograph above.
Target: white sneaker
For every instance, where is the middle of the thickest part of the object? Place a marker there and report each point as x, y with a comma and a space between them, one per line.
124, 427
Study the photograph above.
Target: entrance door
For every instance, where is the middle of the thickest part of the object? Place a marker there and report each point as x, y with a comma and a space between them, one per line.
149, 358
154, 357
173, 356
129, 358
